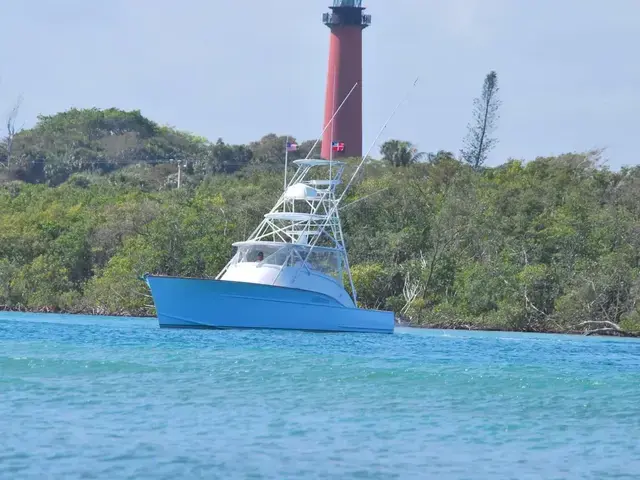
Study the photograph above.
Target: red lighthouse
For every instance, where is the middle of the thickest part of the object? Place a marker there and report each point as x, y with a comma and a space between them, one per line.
343, 138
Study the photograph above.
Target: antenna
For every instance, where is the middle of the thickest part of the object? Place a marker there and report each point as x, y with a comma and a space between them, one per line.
332, 127
286, 161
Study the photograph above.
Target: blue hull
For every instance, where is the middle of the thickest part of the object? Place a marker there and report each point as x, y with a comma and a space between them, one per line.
204, 303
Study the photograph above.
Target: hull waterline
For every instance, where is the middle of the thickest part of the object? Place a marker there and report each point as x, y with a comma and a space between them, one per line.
217, 304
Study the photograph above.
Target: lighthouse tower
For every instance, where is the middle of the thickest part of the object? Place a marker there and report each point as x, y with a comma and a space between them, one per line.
343, 138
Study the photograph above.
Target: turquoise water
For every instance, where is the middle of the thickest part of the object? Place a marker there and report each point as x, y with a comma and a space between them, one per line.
98, 397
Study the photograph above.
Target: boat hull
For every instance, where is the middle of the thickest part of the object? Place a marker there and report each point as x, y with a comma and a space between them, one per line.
219, 304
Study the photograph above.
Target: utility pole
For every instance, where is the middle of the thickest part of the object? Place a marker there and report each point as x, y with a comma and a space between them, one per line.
179, 170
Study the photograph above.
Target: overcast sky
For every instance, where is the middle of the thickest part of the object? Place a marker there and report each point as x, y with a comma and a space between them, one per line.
568, 69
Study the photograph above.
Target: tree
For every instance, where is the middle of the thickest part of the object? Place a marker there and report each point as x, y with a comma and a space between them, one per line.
305, 148
11, 129
440, 156
101, 141
478, 141
399, 153
225, 158
547, 245
269, 151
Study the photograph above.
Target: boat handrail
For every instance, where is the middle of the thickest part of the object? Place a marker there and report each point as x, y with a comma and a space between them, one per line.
313, 183
257, 243
294, 216
316, 162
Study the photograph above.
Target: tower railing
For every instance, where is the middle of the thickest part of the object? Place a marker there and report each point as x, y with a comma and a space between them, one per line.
347, 3
334, 19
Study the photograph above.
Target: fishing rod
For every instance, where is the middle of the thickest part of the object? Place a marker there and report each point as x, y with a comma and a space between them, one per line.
384, 127
363, 198
335, 206
331, 120
301, 172
323, 130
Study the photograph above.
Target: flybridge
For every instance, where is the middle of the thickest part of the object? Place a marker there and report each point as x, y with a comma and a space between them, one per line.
306, 216
305, 213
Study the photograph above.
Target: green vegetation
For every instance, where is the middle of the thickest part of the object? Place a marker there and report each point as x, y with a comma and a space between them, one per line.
88, 203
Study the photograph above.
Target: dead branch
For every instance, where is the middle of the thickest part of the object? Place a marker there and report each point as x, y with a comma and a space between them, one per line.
530, 303
600, 322
411, 291
11, 128
606, 327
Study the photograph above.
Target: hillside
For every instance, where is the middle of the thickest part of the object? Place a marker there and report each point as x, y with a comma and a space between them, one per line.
88, 203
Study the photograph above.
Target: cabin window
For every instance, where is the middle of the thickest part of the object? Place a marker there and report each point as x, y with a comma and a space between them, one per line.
327, 262
267, 254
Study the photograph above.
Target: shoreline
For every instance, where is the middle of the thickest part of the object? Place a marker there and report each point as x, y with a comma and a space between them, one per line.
398, 323
80, 311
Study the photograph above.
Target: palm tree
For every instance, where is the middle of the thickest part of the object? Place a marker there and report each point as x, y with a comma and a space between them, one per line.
399, 153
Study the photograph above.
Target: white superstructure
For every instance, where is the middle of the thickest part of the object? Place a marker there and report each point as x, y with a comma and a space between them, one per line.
299, 243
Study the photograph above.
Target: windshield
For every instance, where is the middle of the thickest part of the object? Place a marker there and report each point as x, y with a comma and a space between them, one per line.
327, 262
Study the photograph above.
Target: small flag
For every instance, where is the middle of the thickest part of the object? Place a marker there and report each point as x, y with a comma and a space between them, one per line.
292, 147
337, 146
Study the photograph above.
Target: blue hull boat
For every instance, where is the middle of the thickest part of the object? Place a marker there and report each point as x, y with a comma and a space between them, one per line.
290, 273
218, 304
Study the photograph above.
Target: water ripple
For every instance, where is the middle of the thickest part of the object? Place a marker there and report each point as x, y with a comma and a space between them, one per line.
96, 397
